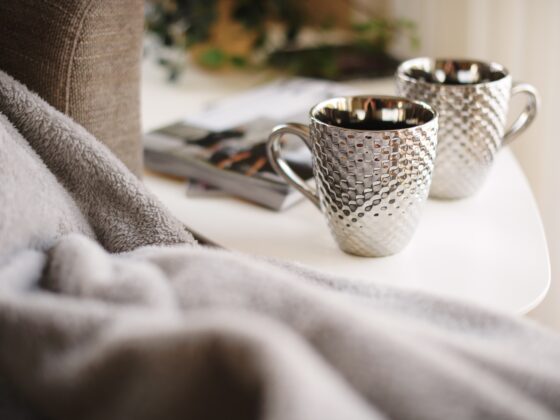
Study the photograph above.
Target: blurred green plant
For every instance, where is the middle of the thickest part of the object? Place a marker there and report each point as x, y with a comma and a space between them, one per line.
184, 24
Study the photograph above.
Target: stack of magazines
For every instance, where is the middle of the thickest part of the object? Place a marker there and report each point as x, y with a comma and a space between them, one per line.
223, 149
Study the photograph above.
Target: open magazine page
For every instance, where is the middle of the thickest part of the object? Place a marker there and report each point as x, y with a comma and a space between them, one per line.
243, 150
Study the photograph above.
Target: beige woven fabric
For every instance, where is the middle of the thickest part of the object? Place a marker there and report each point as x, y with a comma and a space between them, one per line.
83, 57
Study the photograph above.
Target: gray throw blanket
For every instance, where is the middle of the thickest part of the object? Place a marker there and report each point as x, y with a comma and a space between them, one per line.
109, 310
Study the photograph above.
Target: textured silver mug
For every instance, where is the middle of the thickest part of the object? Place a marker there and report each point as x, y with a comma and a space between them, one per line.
372, 158
472, 100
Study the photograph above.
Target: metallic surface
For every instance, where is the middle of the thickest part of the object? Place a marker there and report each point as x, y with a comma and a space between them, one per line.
472, 100
371, 184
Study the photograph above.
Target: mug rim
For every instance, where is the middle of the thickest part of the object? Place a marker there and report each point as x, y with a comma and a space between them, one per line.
402, 75
422, 104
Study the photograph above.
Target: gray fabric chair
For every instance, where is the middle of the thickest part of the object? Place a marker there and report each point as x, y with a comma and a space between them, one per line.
83, 57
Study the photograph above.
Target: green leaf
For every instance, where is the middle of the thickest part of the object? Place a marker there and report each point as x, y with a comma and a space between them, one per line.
415, 42
238, 61
213, 58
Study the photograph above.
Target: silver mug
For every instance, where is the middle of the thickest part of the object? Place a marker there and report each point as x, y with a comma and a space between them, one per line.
373, 158
472, 99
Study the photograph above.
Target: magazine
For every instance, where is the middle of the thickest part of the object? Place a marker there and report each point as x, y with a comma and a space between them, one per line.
224, 148
233, 160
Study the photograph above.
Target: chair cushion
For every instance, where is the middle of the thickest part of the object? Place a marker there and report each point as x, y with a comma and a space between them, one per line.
83, 57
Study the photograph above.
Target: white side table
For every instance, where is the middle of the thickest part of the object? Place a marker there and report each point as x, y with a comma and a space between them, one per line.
488, 249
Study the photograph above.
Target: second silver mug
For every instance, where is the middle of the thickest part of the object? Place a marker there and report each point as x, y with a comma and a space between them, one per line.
472, 99
373, 158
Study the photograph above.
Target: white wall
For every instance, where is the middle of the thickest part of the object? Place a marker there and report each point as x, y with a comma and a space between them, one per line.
523, 35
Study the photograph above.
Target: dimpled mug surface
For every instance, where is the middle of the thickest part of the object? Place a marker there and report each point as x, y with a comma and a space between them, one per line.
372, 159
472, 100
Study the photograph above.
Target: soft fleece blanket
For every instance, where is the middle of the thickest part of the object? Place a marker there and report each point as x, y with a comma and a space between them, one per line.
109, 310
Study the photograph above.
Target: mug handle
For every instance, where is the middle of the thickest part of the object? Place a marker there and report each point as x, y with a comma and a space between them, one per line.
528, 114
282, 167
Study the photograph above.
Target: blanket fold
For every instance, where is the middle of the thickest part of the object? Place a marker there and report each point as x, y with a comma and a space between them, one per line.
121, 213
109, 310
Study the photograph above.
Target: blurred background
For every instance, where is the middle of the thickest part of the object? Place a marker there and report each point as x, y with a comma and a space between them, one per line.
350, 39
